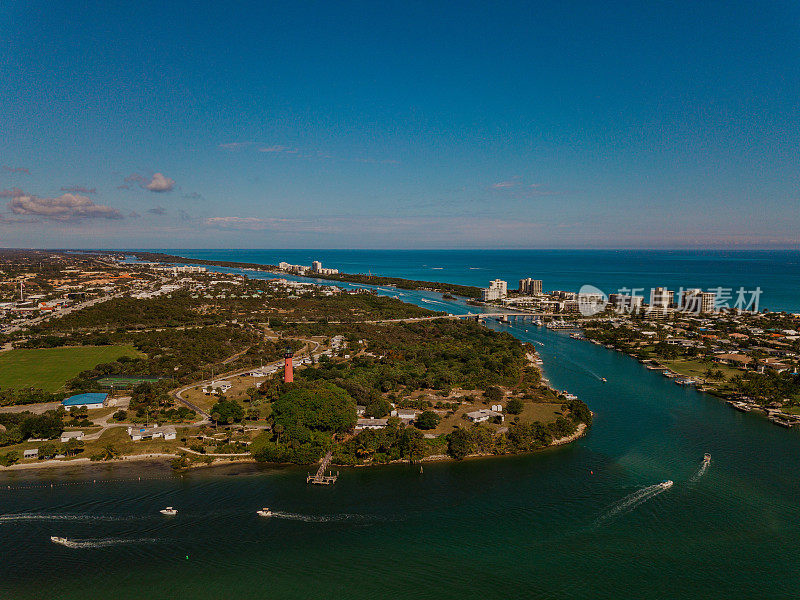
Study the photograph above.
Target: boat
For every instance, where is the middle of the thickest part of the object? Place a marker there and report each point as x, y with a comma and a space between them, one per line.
58, 540
603, 379
169, 511
706, 458
264, 512
666, 484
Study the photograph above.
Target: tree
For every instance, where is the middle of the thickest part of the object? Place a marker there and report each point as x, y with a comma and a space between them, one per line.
227, 411
318, 406
515, 406
120, 415
10, 458
459, 443
73, 447
427, 420
47, 450
494, 394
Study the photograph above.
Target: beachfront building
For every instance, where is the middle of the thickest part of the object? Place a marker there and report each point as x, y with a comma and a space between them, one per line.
697, 301
531, 287
626, 302
89, 400
497, 290
661, 298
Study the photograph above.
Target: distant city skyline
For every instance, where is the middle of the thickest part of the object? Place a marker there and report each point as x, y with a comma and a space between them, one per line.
400, 125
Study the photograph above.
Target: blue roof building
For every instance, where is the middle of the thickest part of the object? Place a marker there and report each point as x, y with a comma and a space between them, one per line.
90, 400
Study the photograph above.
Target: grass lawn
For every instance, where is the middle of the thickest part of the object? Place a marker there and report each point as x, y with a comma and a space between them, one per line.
545, 412
696, 368
50, 368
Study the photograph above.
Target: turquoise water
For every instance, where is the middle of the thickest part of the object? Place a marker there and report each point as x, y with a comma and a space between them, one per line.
583, 521
776, 272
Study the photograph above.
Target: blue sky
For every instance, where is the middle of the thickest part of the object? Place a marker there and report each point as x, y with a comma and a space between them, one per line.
400, 125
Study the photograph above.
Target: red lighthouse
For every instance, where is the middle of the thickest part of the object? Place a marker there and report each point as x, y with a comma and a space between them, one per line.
288, 375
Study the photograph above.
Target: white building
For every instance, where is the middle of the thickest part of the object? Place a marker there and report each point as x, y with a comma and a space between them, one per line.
661, 298
217, 387
497, 290
484, 414
371, 423
142, 433
697, 301
71, 435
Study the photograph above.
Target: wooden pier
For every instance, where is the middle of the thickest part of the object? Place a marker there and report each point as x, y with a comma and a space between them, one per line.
319, 478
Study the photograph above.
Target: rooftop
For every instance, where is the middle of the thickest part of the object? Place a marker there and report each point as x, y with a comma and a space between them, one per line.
84, 399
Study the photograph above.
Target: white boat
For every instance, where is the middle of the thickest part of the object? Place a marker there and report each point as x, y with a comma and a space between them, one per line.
58, 540
169, 511
706, 458
264, 512
666, 484
603, 379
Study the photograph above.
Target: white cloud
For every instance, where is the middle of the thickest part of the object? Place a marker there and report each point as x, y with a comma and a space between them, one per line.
66, 207
160, 183
252, 223
278, 148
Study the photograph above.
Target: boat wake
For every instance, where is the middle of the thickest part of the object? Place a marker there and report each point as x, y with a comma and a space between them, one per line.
700, 472
102, 542
631, 501
58, 517
338, 518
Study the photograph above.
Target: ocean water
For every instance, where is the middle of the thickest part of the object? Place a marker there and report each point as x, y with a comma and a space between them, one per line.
775, 272
583, 521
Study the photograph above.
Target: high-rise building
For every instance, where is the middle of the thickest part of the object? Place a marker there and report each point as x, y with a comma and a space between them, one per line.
531, 287
497, 290
316, 266
697, 301
661, 298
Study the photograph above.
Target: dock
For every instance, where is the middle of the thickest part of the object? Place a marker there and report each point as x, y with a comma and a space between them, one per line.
320, 478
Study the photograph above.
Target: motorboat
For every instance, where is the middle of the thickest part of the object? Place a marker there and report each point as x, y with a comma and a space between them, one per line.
264, 512
603, 379
706, 458
666, 484
169, 511
58, 540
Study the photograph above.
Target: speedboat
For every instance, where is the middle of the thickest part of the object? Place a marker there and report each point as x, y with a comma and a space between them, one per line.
603, 379
169, 511
264, 512
666, 484
58, 540
706, 458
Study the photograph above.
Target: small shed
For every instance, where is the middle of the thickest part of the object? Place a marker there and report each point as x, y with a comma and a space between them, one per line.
30, 453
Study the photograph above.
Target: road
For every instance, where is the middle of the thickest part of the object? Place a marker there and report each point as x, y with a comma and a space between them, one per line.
61, 313
271, 367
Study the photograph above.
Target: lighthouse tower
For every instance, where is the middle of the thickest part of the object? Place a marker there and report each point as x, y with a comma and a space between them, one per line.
288, 375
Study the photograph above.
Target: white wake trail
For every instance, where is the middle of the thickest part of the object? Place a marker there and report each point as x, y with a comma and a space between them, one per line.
631, 501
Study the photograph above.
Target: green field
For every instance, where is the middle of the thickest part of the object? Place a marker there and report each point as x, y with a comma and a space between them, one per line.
50, 368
